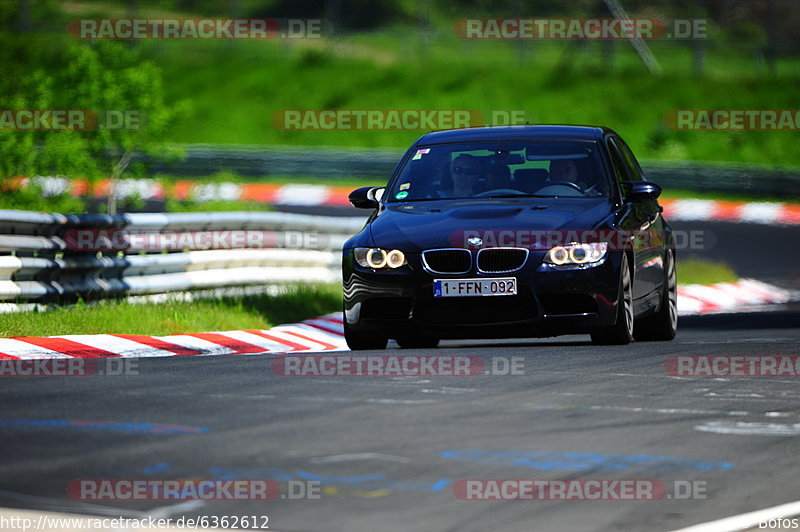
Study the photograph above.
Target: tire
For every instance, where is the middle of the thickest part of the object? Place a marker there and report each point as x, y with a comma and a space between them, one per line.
417, 341
357, 341
663, 325
621, 333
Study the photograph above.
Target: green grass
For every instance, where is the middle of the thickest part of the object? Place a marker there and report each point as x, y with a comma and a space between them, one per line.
695, 270
247, 312
172, 205
31, 198
627, 99
671, 193
230, 177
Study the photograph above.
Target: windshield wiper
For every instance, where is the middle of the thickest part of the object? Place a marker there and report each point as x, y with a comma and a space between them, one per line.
415, 200
501, 196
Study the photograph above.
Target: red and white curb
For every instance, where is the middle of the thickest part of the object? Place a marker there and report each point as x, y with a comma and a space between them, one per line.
730, 297
326, 333
319, 334
688, 210
697, 210
190, 189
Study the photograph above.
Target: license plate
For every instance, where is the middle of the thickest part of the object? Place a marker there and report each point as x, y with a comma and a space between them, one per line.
506, 286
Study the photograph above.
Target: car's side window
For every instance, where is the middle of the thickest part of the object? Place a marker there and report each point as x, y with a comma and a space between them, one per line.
630, 161
620, 168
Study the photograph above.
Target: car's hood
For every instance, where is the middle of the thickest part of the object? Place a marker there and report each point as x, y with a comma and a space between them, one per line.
415, 226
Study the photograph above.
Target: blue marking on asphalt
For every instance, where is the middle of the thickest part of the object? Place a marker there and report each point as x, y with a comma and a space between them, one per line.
156, 468
440, 484
374, 482
233, 473
127, 426
556, 461
334, 480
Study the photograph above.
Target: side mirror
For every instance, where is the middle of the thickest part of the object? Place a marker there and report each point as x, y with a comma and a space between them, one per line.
366, 197
640, 190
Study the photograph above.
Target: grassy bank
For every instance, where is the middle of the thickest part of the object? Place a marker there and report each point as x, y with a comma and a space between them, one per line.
696, 270
235, 88
627, 99
247, 312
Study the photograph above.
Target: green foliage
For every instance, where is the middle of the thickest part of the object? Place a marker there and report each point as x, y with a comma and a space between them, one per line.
214, 206
693, 269
234, 102
111, 79
32, 198
127, 113
236, 87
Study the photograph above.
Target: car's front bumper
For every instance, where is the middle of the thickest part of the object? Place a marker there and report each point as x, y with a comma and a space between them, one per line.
549, 302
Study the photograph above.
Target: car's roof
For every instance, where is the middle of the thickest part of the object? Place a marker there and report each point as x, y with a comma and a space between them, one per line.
556, 132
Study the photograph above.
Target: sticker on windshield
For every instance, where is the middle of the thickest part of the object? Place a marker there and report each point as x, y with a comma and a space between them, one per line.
401, 195
405, 186
420, 153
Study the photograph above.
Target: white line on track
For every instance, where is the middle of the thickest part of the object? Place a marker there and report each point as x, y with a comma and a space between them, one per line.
746, 521
162, 512
359, 456
741, 428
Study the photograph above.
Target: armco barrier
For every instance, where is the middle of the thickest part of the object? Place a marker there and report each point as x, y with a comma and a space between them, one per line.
379, 163
59, 258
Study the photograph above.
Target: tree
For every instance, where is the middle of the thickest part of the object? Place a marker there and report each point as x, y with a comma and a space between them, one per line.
127, 96
126, 113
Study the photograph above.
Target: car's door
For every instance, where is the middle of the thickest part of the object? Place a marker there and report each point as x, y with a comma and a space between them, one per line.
642, 219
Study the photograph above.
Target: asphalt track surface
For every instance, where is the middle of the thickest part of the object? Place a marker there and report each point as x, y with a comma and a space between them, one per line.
387, 451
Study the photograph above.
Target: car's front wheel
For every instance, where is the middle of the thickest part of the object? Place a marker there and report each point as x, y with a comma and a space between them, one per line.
663, 325
358, 341
621, 333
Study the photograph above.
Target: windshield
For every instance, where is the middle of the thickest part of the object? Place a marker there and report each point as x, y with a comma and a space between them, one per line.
500, 169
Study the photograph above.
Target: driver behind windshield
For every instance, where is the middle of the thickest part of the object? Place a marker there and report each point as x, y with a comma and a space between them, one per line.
466, 172
573, 171
564, 170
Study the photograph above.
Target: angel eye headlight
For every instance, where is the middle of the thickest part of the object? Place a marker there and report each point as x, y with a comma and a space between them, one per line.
395, 258
558, 255
378, 258
577, 254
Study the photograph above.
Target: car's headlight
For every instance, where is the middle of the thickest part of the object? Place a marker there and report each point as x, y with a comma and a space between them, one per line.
578, 254
378, 258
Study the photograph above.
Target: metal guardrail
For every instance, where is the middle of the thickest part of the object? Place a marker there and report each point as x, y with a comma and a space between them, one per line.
378, 164
252, 160
48, 258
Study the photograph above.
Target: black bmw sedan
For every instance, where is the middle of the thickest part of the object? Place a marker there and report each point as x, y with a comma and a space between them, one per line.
521, 231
